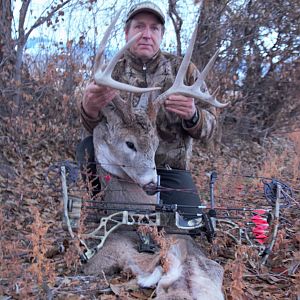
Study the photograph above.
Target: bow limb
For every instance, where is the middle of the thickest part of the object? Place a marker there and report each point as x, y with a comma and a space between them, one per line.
103, 227
269, 248
111, 223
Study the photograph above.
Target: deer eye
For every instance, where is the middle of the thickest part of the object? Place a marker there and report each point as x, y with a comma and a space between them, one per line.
130, 145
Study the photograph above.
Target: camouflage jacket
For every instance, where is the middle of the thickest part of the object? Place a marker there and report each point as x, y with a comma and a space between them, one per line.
175, 147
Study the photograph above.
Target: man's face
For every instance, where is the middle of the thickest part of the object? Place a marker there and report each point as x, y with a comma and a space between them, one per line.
152, 33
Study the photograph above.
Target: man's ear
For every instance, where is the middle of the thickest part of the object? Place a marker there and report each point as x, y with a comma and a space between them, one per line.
126, 34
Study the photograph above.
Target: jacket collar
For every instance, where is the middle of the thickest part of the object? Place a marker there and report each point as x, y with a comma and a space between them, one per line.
135, 62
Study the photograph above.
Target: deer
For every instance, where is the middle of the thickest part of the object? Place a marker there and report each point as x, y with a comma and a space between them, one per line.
125, 146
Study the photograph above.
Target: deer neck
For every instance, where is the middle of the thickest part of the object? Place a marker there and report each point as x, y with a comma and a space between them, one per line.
121, 190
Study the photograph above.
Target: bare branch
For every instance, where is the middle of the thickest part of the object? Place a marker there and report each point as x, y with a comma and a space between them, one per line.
41, 20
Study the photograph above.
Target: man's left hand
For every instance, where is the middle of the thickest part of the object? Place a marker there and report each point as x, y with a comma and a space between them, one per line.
183, 106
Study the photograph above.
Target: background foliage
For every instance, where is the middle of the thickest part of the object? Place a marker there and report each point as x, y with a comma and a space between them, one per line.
257, 71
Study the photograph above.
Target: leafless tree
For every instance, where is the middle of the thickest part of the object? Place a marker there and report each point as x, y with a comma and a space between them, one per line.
177, 23
257, 66
12, 49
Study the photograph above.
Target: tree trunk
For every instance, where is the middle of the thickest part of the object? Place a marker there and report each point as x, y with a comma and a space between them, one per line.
7, 53
177, 23
208, 36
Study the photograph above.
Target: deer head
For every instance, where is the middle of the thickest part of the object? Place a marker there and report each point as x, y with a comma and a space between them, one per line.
125, 145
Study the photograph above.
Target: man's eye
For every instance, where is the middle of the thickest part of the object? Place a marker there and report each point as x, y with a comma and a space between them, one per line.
130, 145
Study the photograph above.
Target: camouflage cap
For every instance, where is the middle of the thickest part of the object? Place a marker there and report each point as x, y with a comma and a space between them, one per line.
146, 6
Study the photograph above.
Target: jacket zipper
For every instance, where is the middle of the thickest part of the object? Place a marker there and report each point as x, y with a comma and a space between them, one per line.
145, 73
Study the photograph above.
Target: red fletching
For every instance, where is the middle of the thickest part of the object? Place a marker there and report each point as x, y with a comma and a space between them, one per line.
258, 230
261, 236
255, 217
260, 211
262, 226
259, 220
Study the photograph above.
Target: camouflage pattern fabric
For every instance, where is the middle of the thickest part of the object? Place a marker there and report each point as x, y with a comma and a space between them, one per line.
175, 148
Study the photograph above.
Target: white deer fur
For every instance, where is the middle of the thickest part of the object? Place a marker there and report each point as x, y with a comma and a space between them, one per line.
190, 274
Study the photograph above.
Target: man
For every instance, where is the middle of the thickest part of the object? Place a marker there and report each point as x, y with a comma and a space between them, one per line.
179, 120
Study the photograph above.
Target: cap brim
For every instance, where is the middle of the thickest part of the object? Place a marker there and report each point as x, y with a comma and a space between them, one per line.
161, 19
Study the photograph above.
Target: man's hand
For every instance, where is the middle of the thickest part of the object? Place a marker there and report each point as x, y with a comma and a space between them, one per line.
96, 97
183, 106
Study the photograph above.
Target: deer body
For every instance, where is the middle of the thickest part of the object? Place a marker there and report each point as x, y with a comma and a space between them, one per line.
190, 275
125, 148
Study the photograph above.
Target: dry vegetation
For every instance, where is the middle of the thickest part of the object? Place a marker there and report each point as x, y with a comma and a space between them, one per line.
260, 139
38, 258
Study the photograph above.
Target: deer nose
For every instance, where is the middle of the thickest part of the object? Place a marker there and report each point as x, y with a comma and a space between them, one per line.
151, 188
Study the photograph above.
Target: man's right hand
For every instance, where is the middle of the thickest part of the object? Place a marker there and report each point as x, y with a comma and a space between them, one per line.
96, 97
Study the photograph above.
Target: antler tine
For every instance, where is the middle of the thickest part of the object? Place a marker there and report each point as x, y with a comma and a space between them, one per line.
208, 67
99, 56
186, 60
194, 90
102, 76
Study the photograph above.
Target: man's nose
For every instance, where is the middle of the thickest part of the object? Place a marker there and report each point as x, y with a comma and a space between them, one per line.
146, 33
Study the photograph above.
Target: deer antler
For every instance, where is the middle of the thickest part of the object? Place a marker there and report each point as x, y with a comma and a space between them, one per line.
102, 76
195, 89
